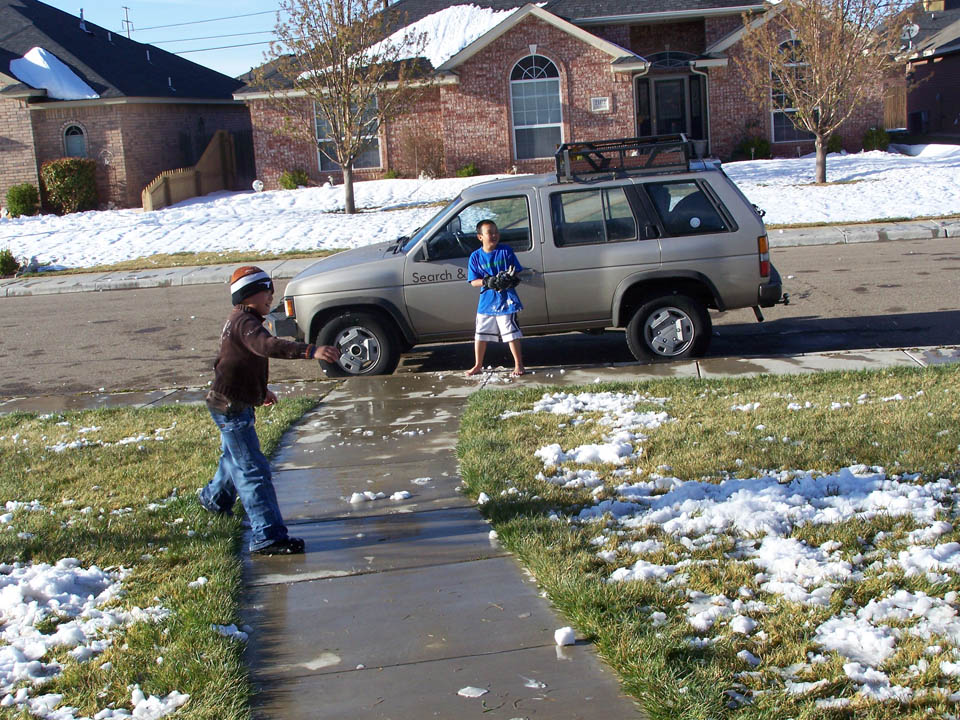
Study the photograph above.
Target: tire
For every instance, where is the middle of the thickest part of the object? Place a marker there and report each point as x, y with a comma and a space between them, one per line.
670, 327
368, 345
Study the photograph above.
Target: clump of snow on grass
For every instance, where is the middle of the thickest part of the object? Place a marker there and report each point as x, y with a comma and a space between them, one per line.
32, 595
230, 631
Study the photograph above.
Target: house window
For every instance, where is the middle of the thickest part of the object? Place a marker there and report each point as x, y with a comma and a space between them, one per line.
782, 113
535, 99
369, 158
74, 141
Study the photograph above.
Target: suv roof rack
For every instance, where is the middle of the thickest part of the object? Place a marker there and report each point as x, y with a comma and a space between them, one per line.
581, 161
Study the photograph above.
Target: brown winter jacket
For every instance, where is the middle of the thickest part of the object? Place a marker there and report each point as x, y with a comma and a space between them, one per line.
242, 366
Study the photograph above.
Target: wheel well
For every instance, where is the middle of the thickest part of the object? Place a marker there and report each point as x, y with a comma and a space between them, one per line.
322, 317
638, 294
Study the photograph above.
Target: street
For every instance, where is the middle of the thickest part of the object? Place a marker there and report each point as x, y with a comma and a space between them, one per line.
843, 297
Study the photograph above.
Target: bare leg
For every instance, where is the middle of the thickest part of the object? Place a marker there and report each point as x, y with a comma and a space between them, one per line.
479, 350
514, 346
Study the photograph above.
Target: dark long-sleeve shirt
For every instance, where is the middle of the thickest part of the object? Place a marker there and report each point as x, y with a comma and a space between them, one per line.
241, 369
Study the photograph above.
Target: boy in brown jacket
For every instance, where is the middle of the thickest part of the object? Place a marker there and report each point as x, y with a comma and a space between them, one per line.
240, 384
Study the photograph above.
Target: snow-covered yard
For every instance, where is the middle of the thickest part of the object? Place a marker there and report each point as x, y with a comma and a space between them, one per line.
865, 186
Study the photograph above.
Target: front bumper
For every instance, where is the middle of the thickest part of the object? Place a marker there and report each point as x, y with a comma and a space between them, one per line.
277, 323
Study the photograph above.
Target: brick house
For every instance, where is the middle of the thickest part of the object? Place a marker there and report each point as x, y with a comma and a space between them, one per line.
143, 110
566, 71
933, 67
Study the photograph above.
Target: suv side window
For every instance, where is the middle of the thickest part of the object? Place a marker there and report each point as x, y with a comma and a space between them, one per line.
458, 238
587, 217
684, 208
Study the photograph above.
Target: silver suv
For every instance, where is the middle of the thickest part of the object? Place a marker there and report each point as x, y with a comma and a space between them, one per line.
629, 233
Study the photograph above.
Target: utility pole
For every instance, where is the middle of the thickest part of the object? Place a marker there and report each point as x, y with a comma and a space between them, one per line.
126, 20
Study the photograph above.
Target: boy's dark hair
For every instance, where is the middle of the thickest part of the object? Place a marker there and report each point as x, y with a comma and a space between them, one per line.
480, 224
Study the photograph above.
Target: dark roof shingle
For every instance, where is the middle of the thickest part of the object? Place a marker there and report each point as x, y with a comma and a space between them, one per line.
107, 61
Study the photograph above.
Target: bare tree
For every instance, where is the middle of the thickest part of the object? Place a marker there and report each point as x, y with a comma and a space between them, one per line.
336, 75
819, 60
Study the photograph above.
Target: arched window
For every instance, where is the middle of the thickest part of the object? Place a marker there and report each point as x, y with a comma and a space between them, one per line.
670, 59
74, 141
535, 99
782, 110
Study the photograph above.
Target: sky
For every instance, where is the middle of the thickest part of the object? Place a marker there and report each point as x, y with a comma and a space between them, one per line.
252, 31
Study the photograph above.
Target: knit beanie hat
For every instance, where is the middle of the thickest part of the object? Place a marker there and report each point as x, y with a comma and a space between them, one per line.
247, 281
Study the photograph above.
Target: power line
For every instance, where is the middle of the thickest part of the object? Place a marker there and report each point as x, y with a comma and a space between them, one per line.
197, 22
208, 37
223, 47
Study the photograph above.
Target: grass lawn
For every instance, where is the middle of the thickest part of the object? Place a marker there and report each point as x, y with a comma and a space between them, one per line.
120, 494
691, 620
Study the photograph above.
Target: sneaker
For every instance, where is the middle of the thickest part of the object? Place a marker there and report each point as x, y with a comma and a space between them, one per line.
287, 546
210, 508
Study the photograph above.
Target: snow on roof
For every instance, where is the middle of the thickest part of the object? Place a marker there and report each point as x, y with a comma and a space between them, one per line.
42, 69
449, 31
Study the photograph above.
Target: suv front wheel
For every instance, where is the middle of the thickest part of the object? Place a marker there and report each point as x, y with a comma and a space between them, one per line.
667, 328
368, 346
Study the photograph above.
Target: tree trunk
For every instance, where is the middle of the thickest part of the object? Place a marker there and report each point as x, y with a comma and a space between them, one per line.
821, 159
349, 207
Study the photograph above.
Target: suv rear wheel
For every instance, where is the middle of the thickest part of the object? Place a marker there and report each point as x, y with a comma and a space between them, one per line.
667, 328
368, 345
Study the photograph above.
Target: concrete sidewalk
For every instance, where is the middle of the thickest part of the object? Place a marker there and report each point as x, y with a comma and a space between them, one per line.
282, 269
398, 605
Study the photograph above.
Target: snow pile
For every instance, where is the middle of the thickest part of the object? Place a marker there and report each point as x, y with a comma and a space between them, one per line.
40, 68
446, 32
888, 185
34, 596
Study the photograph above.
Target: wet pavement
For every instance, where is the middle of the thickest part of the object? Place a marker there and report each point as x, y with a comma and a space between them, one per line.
399, 604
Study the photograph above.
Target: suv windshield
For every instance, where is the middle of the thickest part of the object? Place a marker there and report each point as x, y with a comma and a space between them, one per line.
428, 226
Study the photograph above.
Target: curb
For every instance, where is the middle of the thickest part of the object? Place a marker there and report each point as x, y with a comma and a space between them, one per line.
285, 269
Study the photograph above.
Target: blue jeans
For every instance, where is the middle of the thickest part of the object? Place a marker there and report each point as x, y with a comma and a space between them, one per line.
244, 471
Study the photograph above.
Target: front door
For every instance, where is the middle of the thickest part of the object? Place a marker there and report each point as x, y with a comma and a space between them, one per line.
671, 104
440, 302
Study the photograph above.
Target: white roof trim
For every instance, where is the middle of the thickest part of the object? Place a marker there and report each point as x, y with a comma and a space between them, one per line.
448, 78
614, 51
710, 62
725, 43
666, 15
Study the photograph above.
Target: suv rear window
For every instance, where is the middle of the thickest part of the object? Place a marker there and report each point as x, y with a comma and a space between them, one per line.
684, 208
587, 217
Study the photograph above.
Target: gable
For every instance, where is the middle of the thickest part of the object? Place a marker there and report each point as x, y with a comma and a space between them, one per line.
621, 59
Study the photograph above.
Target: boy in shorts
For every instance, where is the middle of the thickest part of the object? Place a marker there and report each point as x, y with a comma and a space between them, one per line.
495, 270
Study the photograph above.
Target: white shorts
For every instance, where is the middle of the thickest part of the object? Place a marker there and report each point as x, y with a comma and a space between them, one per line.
493, 328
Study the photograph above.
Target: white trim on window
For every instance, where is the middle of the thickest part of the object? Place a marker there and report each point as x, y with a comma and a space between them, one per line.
375, 147
539, 77
74, 137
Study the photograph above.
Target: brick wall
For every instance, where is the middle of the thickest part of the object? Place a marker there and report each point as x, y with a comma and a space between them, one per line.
414, 138
17, 162
476, 113
158, 137
141, 140
668, 35
733, 116
276, 153
934, 89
